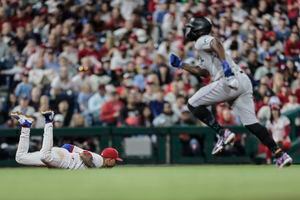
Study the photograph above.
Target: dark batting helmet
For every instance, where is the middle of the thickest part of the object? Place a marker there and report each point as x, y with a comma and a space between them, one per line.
196, 27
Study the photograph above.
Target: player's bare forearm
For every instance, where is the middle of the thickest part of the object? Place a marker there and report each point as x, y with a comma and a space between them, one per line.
87, 159
218, 48
195, 70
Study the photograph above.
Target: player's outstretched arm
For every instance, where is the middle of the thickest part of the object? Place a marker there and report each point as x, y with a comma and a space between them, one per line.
176, 62
87, 159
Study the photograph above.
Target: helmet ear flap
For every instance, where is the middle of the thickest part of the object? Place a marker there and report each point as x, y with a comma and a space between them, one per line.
190, 34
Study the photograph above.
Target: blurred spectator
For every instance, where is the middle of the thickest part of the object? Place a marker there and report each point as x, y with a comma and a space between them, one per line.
130, 115
100, 77
51, 60
23, 106
157, 105
178, 106
12, 102
62, 83
164, 75
77, 121
16, 71
35, 98
84, 96
24, 88
82, 75
44, 103
234, 42
227, 118
292, 46
58, 121
264, 113
253, 62
282, 30
63, 109
96, 101
147, 117
186, 118
267, 69
110, 110
293, 10
127, 6
166, 118
5, 54
283, 94
82, 100
279, 127
139, 79
119, 58
278, 83
292, 103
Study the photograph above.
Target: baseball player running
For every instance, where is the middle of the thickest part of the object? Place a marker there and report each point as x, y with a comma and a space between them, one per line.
229, 84
68, 156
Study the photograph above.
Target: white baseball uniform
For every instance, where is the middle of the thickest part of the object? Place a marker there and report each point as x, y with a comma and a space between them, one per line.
219, 91
50, 156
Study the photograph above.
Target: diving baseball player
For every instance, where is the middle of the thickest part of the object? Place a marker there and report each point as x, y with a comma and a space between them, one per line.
68, 156
229, 84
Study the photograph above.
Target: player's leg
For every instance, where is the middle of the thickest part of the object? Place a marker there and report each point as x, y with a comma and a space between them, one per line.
282, 158
243, 106
22, 155
52, 156
198, 103
47, 138
210, 95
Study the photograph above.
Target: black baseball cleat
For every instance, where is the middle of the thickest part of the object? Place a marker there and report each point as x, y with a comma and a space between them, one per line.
49, 115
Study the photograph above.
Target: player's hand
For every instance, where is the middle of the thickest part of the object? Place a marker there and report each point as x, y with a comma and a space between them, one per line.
175, 61
87, 159
232, 82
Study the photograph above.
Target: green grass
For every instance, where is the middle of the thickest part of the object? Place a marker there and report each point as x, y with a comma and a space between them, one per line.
240, 182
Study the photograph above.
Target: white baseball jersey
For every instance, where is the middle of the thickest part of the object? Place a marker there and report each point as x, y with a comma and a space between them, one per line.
210, 61
62, 158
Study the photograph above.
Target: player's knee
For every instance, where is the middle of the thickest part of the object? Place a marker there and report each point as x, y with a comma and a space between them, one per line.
19, 158
196, 110
190, 103
190, 107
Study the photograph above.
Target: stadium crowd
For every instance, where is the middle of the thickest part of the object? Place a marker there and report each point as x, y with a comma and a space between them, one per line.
101, 62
